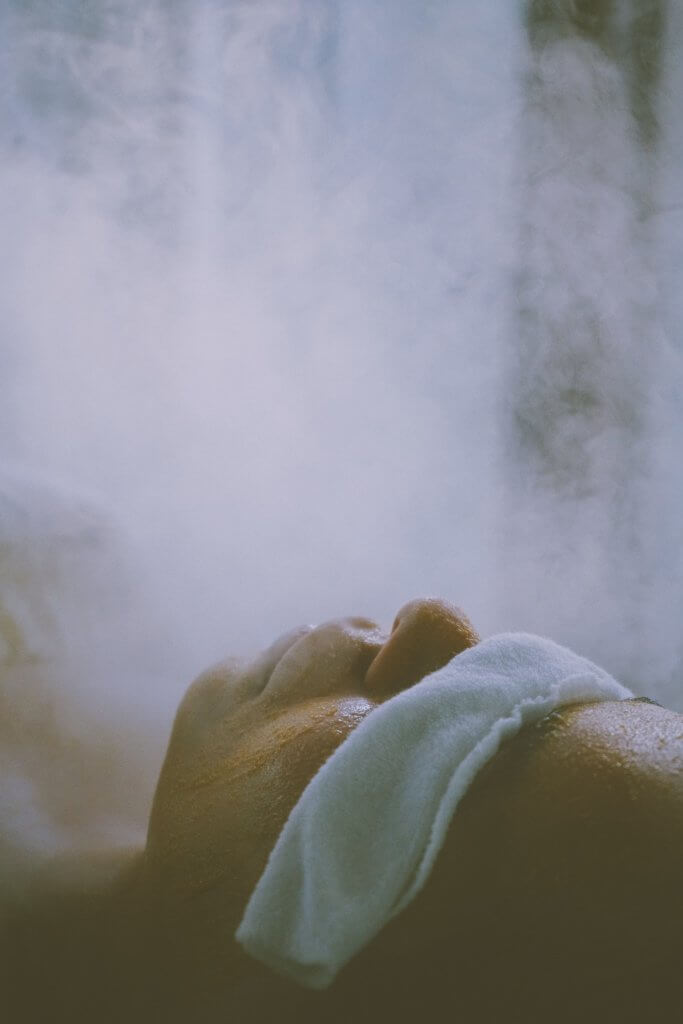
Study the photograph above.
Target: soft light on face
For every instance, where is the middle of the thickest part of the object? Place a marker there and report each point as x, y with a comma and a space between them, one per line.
248, 738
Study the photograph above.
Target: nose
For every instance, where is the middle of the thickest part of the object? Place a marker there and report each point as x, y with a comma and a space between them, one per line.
426, 634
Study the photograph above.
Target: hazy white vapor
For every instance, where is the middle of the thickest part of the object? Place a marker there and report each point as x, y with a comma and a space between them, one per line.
261, 294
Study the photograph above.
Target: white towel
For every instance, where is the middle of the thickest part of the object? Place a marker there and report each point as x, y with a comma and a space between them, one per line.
362, 840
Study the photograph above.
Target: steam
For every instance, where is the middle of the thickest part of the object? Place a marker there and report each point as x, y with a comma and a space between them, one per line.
591, 363
260, 298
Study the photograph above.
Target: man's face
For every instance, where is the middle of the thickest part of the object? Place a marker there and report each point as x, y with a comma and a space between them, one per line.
248, 739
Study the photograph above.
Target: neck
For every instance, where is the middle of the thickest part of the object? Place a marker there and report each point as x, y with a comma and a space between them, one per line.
69, 939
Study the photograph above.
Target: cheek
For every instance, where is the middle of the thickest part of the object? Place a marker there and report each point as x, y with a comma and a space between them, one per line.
266, 800
215, 836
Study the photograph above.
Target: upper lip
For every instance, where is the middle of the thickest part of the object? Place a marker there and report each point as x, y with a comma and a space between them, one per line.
355, 641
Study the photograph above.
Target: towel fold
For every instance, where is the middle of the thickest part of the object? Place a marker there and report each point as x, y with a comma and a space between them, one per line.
362, 840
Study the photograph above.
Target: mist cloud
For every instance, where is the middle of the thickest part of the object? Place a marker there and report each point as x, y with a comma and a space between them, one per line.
261, 297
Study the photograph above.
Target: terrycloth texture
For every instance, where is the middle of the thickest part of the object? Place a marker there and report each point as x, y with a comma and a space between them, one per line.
363, 838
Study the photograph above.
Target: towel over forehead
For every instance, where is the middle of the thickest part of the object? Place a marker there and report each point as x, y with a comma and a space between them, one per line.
362, 840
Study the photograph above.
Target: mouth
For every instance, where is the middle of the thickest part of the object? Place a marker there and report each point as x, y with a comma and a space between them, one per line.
331, 659
354, 656
267, 663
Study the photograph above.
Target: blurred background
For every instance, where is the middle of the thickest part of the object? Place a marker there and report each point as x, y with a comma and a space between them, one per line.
310, 307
